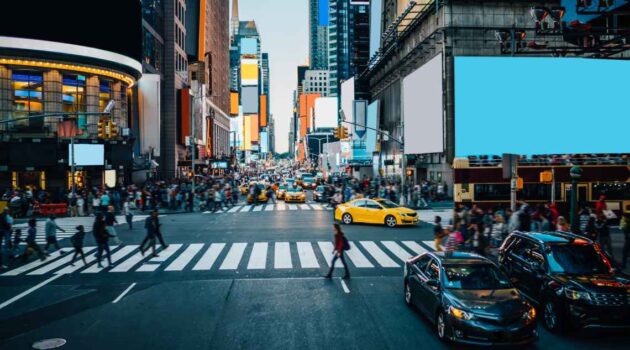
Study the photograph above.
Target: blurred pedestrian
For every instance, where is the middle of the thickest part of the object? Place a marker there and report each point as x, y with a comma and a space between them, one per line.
562, 225
341, 245
77, 243
51, 228
110, 221
102, 239
438, 233
151, 226
603, 233
31, 244
128, 213
625, 228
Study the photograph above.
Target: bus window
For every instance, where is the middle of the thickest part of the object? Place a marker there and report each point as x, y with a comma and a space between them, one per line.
538, 192
612, 191
492, 192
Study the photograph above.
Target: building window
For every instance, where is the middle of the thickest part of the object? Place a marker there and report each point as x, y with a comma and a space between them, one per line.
28, 95
73, 93
105, 94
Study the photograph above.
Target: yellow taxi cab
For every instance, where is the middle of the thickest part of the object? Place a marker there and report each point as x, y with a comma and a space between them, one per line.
262, 197
281, 191
375, 211
295, 195
245, 188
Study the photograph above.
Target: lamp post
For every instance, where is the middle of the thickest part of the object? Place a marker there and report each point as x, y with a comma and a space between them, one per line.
576, 174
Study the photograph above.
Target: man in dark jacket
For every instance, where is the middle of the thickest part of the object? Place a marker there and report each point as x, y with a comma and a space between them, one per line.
151, 224
102, 239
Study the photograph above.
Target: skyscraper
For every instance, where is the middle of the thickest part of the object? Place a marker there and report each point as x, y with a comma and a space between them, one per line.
318, 34
348, 40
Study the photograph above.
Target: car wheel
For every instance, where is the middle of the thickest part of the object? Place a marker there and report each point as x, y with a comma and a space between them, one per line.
441, 327
408, 294
346, 218
552, 317
390, 221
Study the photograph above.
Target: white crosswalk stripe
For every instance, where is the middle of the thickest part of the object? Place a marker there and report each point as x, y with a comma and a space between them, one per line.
282, 256
281, 207
258, 208
209, 257
258, 258
307, 255
379, 255
235, 209
317, 207
184, 258
229, 257
155, 262
305, 207
233, 257
292, 207
269, 207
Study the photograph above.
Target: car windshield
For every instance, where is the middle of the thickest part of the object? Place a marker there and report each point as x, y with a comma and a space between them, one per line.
295, 189
387, 203
308, 178
283, 187
577, 259
475, 277
320, 188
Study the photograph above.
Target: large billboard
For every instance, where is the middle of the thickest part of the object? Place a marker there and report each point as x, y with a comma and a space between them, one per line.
376, 17
326, 111
423, 109
347, 97
249, 46
249, 99
541, 106
372, 124
87, 154
112, 25
249, 71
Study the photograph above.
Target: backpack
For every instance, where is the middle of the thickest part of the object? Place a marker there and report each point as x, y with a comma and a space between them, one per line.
346, 245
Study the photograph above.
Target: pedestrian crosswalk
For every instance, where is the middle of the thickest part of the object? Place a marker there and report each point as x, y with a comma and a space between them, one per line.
230, 257
272, 207
69, 226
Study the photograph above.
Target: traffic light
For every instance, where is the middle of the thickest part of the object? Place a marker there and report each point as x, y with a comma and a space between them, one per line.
101, 130
341, 132
113, 130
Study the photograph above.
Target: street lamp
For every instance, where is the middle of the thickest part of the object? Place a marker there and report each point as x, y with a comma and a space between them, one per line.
576, 174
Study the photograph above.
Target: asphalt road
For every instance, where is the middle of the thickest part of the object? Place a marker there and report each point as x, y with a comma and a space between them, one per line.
239, 280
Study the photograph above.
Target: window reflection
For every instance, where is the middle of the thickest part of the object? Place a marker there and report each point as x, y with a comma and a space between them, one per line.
27, 101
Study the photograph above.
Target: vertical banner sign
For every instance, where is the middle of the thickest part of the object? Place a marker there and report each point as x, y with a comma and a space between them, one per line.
360, 117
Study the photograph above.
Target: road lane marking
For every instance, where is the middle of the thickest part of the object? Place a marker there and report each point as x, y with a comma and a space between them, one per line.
28, 291
124, 293
383, 259
417, 248
209, 257
281, 207
233, 257
32, 265
155, 262
292, 207
327, 250
269, 207
246, 208
184, 258
397, 250
317, 207
305, 207
282, 256
258, 258
345, 287
307, 255
235, 209
258, 208
357, 258
430, 244
57, 263
119, 254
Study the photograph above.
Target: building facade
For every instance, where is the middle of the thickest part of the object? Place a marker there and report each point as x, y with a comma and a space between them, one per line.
316, 81
318, 34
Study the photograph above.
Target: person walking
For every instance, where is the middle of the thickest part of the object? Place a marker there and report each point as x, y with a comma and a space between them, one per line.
438, 233
102, 239
77, 243
150, 224
603, 233
341, 245
6, 227
80, 206
110, 221
31, 244
51, 228
128, 214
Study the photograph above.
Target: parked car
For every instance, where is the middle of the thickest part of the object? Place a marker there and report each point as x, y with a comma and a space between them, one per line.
468, 299
569, 277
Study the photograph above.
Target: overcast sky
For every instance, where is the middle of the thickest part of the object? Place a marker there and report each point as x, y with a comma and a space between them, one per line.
283, 28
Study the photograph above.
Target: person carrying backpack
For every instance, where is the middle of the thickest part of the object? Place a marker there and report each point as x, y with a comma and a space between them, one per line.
77, 243
341, 245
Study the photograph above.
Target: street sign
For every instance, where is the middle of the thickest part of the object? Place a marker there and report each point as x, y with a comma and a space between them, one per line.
509, 165
546, 176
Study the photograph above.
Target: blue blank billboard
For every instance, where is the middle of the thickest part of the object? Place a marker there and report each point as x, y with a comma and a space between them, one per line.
541, 106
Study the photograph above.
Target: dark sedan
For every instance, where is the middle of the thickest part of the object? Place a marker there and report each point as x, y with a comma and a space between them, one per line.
468, 299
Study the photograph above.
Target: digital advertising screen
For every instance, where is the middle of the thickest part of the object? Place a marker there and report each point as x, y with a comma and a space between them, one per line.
541, 105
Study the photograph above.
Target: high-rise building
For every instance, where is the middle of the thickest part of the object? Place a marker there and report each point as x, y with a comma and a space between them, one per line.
316, 81
318, 33
348, 40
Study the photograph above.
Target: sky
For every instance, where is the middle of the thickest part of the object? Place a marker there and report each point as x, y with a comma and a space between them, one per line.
541, 106
283, 28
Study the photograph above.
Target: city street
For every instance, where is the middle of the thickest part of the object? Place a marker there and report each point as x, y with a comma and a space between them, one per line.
247, 279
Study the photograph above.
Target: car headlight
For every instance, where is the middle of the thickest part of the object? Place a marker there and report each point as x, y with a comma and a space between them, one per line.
458, 313
576, 295
530, 315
